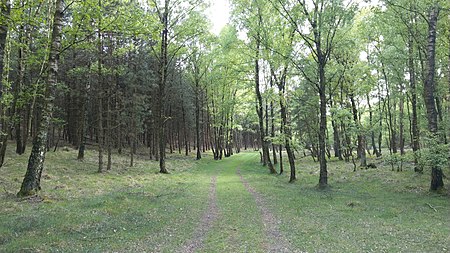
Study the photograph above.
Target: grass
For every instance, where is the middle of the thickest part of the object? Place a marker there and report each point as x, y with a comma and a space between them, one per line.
239, 228
374, 210
126, 209
136, 209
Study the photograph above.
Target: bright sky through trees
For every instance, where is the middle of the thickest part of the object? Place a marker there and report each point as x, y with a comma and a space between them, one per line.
219, 14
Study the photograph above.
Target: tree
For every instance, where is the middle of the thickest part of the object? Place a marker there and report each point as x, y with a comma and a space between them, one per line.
259, 108
5, 9
251, 17
279, 40
199, 64
31, 182
4, 16
164, 18
322, 19
429, 96
175, 20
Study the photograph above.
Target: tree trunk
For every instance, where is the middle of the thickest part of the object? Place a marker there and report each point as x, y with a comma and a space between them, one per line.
5, 10
390, 117
372, 133
197, 119
440, 113
401, 127
323, 179
4, 128
231, 137
100, 131
108, 134
429, 96
272, 133
204, 126
429, 87
162, 86
186, 149
133, 143
83, 127
134, 131
361, 137
412, 84
31, 182
448, 76
448, 73
336, 140
259, 107
281, 158
286, 129
179, 144
18, 112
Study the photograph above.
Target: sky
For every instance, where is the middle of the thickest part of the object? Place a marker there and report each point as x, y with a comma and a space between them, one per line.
218, 13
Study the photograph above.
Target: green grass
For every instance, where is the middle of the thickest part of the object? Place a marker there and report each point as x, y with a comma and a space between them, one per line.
239, 228
139, 210
374, 210
127, 209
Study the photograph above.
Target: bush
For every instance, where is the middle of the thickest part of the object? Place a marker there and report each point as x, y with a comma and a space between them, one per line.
434, 154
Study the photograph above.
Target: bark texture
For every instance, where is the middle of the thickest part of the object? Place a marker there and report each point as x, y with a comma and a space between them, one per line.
429, 87
4, 125
412, 86
323, 179
162, 86
285, 128
5, 10
31, 182
259, 107
437, 182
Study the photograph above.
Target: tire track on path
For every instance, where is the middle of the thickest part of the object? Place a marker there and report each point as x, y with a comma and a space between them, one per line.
275, 240
206, 223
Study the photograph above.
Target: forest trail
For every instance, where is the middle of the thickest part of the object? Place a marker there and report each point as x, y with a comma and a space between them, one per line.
209, 217
276, 242
231, 205
237, 216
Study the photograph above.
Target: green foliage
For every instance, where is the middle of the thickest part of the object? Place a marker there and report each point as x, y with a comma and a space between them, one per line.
7, 97
434, 154
395, 160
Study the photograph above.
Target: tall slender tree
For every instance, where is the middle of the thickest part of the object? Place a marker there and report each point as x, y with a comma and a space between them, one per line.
4, 25
5, 9
162, 72
437, 182
259, 107
317, 22
32, 181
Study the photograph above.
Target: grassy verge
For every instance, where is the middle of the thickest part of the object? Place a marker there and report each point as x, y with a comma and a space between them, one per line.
126, 209
375, 210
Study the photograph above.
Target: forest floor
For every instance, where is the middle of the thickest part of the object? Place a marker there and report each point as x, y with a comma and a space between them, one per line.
232, 205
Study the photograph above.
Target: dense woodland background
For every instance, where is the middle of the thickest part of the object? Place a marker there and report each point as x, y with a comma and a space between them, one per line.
332, 78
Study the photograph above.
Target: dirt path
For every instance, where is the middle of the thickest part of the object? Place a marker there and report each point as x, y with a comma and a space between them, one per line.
275, 240
207, 221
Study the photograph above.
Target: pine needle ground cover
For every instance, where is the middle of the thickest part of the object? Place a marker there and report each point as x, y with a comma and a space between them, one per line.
232, 205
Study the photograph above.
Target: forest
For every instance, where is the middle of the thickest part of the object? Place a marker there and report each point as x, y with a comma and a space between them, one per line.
136, 113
